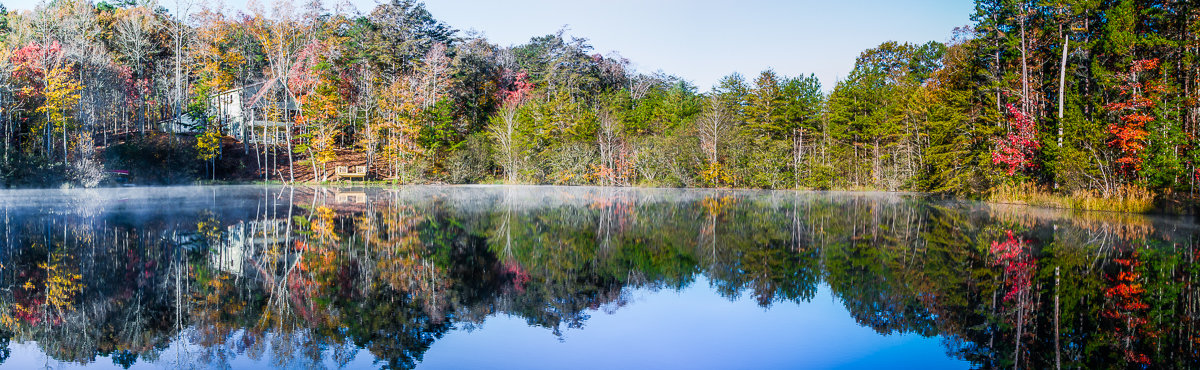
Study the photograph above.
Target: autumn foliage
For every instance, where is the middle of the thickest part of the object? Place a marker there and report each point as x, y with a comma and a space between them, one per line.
1018, 266
1127, 308
1134, 113
30, 63
1017, 149
517, 88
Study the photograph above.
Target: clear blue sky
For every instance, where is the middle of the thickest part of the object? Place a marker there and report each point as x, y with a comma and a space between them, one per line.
704, 40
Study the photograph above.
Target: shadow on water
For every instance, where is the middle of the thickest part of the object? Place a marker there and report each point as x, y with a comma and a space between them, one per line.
305, 276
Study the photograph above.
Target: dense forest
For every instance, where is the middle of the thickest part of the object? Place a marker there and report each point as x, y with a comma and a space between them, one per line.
1072, 97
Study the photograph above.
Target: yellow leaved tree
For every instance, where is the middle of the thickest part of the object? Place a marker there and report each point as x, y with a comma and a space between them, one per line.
208, 146
62, 95
62, 283
399, 127
319, 118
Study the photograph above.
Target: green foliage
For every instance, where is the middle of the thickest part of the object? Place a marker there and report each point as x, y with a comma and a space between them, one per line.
471, 163
414, 97
401, 32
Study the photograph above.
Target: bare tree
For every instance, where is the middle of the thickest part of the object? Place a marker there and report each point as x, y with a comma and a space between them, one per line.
179, 32
133, 39
610, 148
713, 127
503, 131
365, 105
132, 36
434, 75
1066, 30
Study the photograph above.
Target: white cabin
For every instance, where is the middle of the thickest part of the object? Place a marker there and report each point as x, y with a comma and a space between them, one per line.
240, 114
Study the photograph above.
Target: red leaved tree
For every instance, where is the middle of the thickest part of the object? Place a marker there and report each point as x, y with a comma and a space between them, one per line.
1017, 149
30, 63
515, 87
1127, 309
1134, 113
1019, 266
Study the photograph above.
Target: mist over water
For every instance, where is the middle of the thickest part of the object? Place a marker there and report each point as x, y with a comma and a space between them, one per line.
578, 277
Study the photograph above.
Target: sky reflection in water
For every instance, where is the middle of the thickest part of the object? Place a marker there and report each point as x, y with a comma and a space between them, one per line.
547, 277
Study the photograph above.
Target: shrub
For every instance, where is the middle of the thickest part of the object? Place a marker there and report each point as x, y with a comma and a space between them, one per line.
155, 159
471, 161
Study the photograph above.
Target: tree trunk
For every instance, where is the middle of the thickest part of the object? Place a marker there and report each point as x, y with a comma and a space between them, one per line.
799, 158
1057, 348
1062, 85
1024, 69
313, 158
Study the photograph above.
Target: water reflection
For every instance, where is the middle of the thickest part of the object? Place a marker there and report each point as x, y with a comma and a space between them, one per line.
300, 277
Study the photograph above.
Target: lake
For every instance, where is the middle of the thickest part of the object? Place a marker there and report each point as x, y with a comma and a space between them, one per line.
515, 277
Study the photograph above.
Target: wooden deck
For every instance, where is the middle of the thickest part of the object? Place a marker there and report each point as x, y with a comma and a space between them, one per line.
344, 172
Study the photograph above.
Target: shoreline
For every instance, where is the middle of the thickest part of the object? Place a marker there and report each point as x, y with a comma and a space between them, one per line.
1180, 206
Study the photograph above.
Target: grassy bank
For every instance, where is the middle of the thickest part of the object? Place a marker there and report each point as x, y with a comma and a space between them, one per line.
1128, 199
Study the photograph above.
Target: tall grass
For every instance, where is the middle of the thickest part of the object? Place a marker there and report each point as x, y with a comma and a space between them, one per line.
1127, 198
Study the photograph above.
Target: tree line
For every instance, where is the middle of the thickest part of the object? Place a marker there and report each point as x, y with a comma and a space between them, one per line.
1064, 96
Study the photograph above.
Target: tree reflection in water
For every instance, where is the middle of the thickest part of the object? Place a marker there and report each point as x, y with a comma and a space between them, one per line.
304, 276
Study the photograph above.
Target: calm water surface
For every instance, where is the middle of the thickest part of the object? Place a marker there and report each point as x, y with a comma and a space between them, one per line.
557, 278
